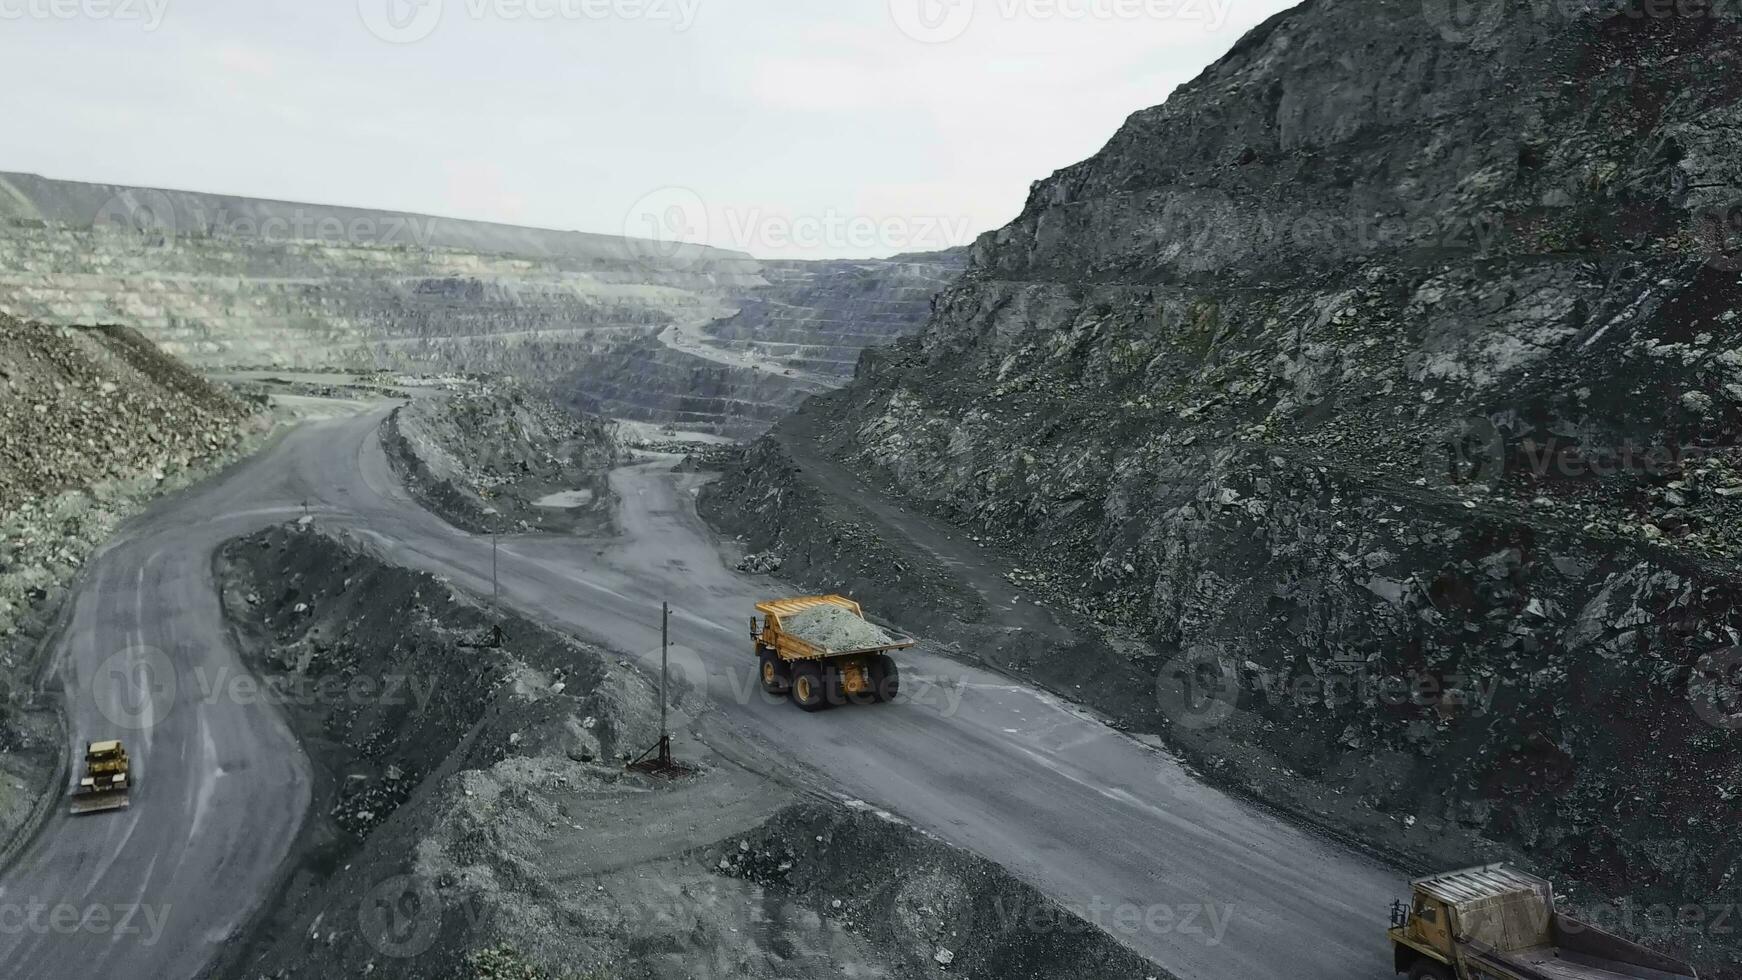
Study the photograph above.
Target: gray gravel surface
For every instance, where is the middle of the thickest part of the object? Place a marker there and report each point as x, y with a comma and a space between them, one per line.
1088, 816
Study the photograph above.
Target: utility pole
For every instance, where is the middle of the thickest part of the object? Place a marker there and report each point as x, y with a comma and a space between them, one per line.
495, 583
664, 673
662, 762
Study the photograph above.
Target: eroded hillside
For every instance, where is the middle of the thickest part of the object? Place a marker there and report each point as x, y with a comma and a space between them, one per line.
1374, 404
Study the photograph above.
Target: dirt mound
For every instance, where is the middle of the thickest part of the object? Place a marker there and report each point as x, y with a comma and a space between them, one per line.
81, 406
937, 911
394, 683
94, 423
496, 457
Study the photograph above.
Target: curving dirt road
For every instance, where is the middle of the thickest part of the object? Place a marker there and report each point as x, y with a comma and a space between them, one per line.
1208, 887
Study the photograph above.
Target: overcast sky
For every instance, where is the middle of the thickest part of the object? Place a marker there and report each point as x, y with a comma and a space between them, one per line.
786, 128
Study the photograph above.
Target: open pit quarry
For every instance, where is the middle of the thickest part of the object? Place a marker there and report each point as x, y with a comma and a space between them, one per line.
709, 339
1335, 479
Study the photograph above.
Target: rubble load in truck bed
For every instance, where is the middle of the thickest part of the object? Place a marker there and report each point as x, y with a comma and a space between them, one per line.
836, 630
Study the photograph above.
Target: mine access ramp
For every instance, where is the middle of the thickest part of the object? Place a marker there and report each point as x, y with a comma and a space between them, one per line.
105, 784
1497, 923
824, 652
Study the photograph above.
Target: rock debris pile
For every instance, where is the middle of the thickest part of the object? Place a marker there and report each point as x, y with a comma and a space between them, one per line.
762, 563
836, 629
493, 456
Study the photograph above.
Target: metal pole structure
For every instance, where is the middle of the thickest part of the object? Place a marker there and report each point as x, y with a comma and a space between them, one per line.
662, 763
664, 672
495, 584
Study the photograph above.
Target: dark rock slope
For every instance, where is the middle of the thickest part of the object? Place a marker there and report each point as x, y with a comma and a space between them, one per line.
1377, 400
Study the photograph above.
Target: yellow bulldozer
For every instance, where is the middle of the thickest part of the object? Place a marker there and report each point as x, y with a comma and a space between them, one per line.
106, 784
823, 652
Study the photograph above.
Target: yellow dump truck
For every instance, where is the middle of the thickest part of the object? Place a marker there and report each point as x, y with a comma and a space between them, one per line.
1497, 923
106, 784
823, 652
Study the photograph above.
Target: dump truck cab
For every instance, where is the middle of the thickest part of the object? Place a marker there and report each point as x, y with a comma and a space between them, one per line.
1497, 923
822, 651
106, 783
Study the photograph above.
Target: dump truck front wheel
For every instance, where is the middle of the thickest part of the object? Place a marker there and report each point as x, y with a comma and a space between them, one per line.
808, 688
885, 678
776, 676
1428, 970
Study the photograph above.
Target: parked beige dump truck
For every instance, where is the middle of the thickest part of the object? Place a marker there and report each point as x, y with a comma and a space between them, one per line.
1496, 923
105, 784
822, 651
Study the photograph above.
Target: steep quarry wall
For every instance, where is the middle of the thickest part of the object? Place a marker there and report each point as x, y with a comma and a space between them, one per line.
237, 282
234, 282
648, 380
1385, 353
815, 317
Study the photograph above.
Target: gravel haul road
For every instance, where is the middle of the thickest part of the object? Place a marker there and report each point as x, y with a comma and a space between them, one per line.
1207, 886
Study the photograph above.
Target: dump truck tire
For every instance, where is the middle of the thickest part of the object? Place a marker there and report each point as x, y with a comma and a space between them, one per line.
885, 678
1428, 970
776, 675
834, 686
808, 688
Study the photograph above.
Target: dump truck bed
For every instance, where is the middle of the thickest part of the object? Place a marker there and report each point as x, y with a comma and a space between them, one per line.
1546, 963
1507, 927
814, 627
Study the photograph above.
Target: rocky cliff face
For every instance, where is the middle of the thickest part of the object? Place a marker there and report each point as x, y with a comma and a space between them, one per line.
227, 282
1377, 398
